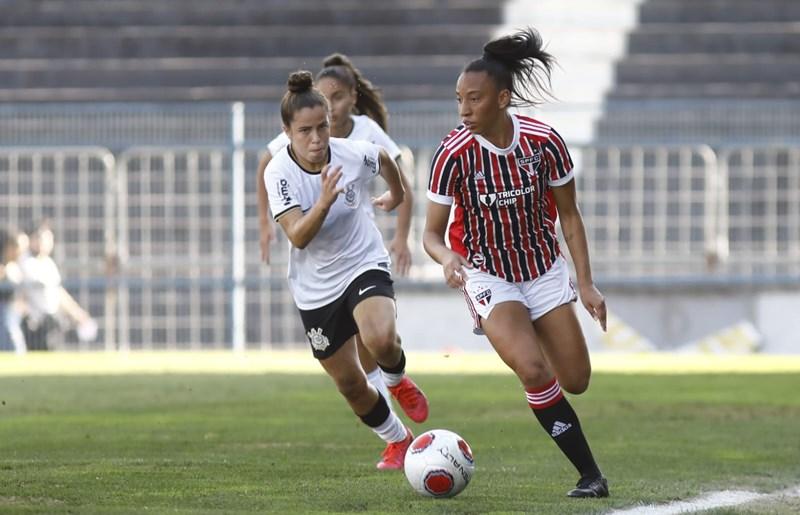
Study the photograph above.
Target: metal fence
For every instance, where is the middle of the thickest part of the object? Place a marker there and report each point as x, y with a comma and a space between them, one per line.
145, 239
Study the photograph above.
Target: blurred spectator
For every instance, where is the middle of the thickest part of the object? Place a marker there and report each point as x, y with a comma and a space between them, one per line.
49, 306
11, 336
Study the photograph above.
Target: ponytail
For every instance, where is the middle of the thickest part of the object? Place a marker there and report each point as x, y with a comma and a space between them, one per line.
369, 100
519, 64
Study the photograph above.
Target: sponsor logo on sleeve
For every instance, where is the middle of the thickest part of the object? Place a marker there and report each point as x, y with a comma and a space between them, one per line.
283, 191
371, 163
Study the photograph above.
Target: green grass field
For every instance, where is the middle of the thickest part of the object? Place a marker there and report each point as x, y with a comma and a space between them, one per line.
286, 443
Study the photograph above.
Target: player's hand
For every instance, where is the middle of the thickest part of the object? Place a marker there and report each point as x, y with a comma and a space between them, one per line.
454, 267
595, 303
330, 189
267, 233
386, 202
401, 256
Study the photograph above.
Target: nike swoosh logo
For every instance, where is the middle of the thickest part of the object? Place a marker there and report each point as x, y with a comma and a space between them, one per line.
365, 290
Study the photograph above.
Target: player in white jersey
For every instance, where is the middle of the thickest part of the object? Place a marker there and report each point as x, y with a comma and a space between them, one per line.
348, 92
339, 269
502, 173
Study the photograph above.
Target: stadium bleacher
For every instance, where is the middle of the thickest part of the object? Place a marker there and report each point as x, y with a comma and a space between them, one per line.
717, 72
123, 50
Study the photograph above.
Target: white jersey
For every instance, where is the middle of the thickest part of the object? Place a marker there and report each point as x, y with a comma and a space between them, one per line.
348, 243
364, 129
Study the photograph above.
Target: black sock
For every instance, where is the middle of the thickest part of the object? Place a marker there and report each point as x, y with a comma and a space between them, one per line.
378, 414
560, 421
399, 368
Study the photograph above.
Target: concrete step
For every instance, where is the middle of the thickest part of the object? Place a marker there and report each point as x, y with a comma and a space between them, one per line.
240, 41
693, 120
437, 72
745, 11
754, 89
110, 13
716, 38
703, 68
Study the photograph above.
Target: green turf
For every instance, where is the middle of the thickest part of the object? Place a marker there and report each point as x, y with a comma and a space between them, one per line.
288, 443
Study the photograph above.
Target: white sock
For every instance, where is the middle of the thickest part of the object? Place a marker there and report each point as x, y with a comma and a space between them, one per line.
392, 430
376, 379
392, 379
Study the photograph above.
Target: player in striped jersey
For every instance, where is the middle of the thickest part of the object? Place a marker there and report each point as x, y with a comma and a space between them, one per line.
348, 92
339, 270
507, 178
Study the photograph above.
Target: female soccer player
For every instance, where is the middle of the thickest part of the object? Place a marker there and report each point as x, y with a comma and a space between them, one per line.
349, 92
504, 174
315, 187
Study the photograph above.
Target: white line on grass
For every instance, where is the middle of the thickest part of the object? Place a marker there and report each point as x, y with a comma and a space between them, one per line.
721, 499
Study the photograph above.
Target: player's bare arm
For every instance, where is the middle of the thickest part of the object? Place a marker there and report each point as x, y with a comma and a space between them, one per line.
301, 228
398, 247
391, 174
453, 264
265, 229
575, 237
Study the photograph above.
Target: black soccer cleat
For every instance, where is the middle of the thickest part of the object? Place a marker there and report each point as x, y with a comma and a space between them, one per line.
590, 487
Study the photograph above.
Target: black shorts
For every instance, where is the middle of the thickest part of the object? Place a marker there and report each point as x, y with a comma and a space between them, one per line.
329, 327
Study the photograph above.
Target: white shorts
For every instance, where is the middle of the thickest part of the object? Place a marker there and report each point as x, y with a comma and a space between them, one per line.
484, 291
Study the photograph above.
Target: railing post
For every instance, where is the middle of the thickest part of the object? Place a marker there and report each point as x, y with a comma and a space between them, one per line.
237, 228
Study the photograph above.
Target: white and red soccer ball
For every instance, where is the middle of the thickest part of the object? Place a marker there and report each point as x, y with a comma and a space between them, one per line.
439, 463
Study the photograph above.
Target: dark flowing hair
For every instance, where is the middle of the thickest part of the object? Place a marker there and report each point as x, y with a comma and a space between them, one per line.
300, 93
519, 64
369, 100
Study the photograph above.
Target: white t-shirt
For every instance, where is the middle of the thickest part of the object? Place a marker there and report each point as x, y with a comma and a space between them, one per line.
42, 286
348, 243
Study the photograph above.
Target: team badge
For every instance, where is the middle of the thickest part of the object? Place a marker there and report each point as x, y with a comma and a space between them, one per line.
350, 195
484, 297
478, 259
318, 340
531, 162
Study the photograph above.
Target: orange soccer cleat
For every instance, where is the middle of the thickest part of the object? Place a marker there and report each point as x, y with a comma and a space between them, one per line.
394, 456
411, 399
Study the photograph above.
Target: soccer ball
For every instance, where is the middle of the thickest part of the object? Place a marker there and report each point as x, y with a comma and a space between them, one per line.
439, 463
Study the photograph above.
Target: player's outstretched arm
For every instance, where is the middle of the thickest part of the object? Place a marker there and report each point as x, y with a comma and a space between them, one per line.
401, 252
265, 228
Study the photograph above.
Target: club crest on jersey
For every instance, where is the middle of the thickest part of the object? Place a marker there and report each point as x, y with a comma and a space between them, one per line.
350, 195
484, 297
318, 340
531, 162
478, 259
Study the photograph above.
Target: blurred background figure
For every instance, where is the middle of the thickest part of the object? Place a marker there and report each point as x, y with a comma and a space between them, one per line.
11, 337
49, 305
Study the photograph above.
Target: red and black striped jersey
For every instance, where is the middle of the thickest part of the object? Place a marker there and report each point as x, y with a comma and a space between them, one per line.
505, 214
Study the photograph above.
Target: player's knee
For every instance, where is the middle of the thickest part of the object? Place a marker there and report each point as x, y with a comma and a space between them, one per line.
533, 374
352, 388
576, 384
381, 340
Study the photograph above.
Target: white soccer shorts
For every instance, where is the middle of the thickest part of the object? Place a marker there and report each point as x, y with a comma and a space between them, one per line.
484, 291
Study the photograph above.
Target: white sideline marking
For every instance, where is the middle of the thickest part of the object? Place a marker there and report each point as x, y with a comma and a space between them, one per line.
722, 499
